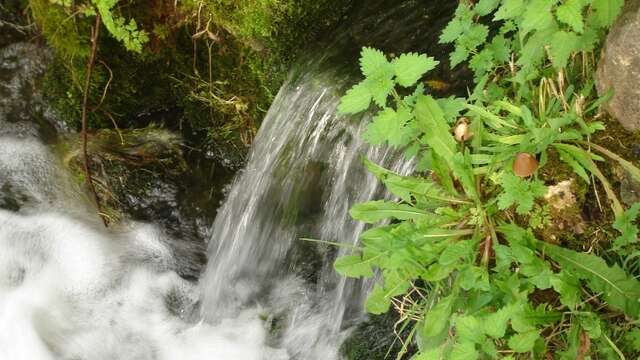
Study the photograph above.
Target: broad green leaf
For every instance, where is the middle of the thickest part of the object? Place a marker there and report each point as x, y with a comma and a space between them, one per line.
373, 62
437, 319
570, 13
624, 223
485, 7
432, 354
509, 10
437, 133
409, 68
538, 16
408, 188
455, 252
606, 11
620, 290
481, 63
452, 31
562, 45
390, 126
377, 302
353, 266
379, 87
524, 342
464, 351
495, 324
374, 211
357, 99
568, 286
468, 329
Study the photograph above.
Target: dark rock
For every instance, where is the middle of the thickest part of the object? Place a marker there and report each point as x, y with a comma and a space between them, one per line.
619, 67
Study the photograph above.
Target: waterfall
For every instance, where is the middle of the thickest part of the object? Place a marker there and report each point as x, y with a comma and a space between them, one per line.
304, 173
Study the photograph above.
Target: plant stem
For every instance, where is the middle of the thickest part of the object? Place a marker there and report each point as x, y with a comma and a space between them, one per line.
95, 32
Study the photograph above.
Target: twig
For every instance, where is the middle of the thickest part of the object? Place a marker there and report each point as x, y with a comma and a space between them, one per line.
95, 32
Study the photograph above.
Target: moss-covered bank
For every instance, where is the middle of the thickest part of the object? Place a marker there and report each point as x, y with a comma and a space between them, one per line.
215, 64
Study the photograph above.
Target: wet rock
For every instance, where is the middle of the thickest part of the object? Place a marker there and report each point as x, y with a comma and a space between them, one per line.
619, 68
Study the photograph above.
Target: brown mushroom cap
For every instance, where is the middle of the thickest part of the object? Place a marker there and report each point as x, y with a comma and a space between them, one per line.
525, 165
462, 132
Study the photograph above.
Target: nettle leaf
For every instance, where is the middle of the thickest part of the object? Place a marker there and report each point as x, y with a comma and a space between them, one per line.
451, 107
437, 319
624, 223
538, 16
570, 13
459, 54
468, 329
519, 192
485, 7
481, 63
452, 31
353, 266
619, 289
562, 45
495, 325
374, 211
390, 126
464, 351
409, 68
524, 342
606, 11
373, 62
357, 99
509, 9
501, 49
455, 252
380, 86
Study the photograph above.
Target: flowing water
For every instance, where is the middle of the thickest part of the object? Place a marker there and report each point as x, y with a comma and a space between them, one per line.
72, 290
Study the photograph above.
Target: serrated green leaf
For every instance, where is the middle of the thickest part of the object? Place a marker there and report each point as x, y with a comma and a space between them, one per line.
509, 10
437, 319
524, 342
481, 63
570, 13
464, 351
619, 289
501, 49
357, 99
519, 192
380, 87
538, 16
390, 126
353, 266
459, 55
374, 211
373, 62
561, 46
409, 68
606, 11
485, 7
468, 329
625, 224
452, 31
495, 325
455, 252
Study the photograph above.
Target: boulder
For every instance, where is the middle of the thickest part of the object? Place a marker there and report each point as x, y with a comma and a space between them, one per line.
619, 68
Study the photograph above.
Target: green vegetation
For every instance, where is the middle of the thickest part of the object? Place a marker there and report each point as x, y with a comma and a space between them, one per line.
216, 63
459, 252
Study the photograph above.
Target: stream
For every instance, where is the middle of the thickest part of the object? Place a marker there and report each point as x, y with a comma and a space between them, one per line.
71, 289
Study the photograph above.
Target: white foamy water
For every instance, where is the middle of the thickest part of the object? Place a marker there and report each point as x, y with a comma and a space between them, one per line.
69, 289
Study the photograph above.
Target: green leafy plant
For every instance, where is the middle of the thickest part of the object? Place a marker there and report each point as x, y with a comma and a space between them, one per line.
456, 253
126, 32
